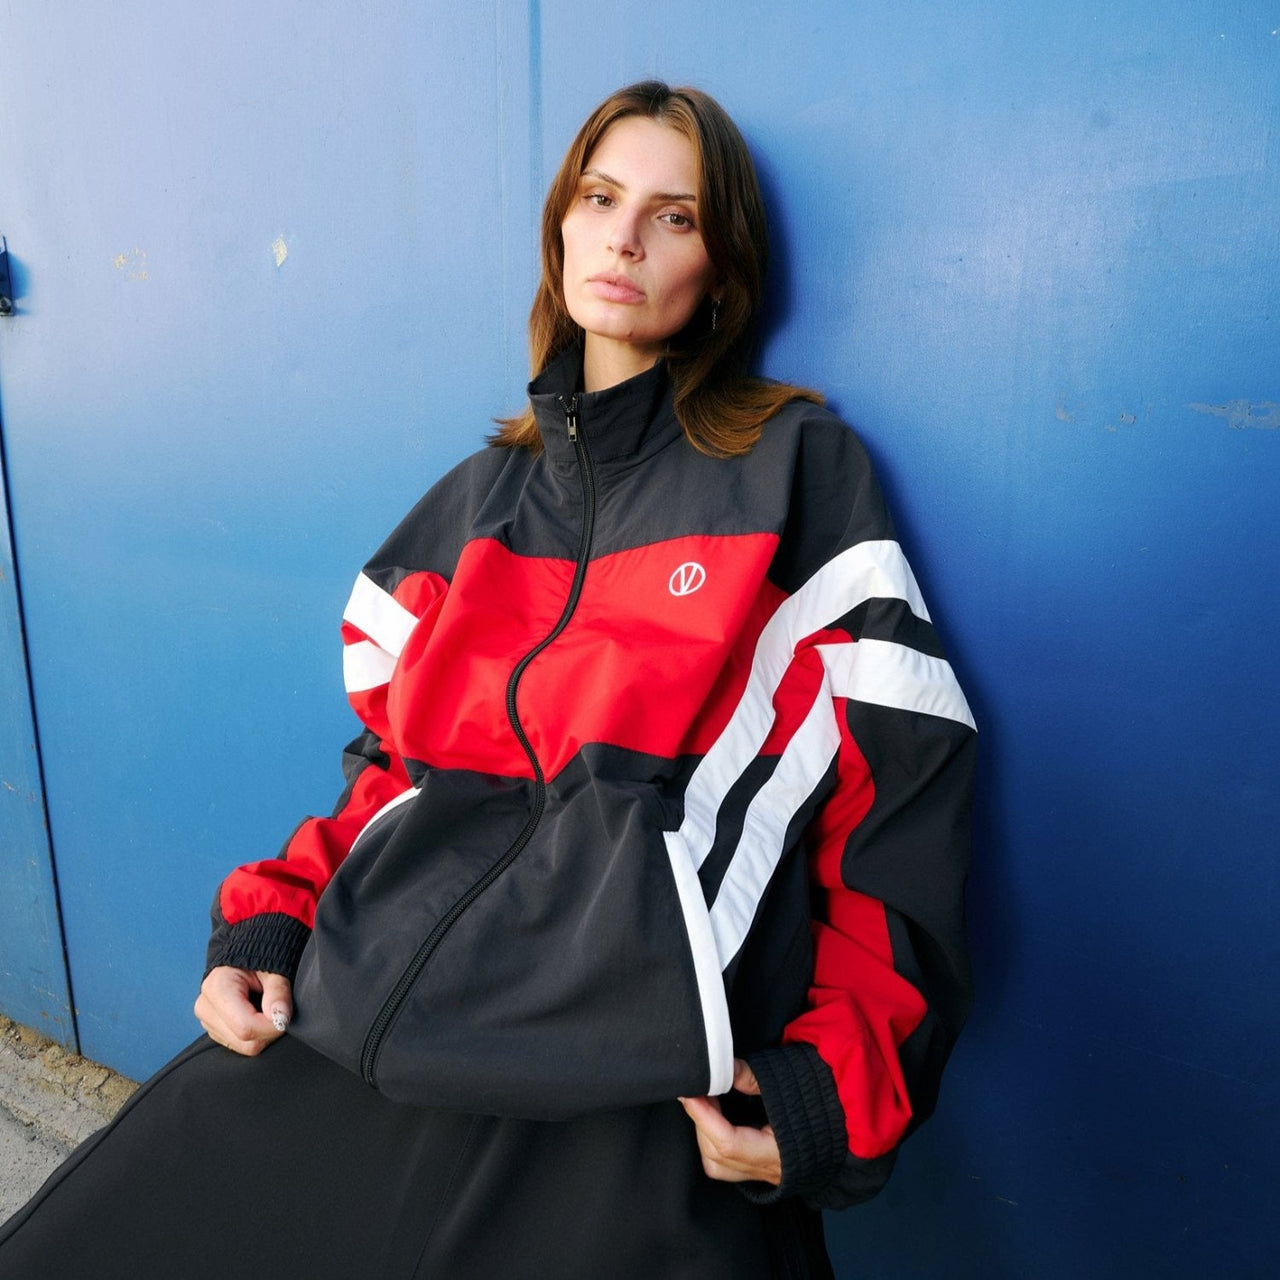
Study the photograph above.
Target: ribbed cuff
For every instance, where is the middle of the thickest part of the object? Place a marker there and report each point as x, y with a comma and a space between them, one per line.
804, 1111
272, 942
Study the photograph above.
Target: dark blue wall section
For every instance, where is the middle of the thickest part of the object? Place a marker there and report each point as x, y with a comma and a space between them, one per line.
278, 262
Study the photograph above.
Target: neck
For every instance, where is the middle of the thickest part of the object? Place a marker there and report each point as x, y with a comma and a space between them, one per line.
606, 362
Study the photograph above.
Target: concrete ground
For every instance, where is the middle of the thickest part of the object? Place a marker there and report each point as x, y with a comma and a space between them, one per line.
50, 1101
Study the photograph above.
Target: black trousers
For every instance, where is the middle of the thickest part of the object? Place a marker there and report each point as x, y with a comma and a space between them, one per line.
287, 1165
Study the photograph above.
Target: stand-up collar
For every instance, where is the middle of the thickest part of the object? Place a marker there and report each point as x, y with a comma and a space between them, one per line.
620, 424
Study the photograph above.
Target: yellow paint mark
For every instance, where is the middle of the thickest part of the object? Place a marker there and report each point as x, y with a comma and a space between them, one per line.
279, 250
133, 264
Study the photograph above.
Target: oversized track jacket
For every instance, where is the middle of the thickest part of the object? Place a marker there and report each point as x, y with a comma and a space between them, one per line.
662, 763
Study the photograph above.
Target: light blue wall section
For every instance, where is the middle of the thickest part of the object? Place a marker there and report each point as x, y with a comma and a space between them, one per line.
266, 253
278, 261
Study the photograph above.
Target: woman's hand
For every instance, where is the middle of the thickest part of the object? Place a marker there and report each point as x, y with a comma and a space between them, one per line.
228, 1008
731, 1152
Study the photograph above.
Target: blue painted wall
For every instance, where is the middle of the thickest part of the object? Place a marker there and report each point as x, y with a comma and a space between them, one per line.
277, 261
33, 972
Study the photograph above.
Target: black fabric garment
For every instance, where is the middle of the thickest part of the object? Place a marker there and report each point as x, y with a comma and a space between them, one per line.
662, 765
288, 1166
664, 883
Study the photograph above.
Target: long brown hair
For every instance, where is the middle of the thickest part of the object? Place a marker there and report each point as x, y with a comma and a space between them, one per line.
718, 402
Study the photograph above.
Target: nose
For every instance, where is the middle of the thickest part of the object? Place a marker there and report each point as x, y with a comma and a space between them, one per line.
624, 234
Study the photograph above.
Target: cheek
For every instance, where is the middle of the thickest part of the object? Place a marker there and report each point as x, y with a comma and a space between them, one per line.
566, 249
685, 272
570, 238
691, 282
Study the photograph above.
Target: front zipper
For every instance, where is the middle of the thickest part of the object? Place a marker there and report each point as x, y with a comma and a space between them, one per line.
390, 1006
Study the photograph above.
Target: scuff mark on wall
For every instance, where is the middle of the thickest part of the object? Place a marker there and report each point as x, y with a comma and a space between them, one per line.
1264, 414
1067, 410
279, 250
1126, 420
133, 264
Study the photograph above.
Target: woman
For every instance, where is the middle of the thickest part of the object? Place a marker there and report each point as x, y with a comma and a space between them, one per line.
641, 909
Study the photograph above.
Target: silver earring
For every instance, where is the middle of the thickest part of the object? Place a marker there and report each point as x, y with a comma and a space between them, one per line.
715, 312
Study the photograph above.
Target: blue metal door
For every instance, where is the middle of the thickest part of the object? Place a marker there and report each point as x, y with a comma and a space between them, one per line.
247, 342
33, 974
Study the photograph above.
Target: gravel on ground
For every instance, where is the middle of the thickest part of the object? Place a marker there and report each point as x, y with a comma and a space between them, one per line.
50, 1101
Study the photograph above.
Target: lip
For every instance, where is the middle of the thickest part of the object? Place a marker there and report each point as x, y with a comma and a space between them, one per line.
615, 288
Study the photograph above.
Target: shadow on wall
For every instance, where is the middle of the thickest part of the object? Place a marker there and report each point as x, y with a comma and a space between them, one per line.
777, 306
14, 282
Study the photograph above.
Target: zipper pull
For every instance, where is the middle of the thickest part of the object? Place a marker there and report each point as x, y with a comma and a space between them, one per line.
571, 416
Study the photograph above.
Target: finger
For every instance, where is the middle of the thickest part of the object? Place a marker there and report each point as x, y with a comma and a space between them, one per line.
733, 1153
226, 987
226, 1002
212, 1022
709, 1127
277, 1000
220, 1032
751, 1155
707, 1118
228, 1014
744, 1079
716, 1136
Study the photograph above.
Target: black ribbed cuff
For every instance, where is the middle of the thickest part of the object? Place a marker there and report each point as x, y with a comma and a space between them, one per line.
271, 942
803, 1108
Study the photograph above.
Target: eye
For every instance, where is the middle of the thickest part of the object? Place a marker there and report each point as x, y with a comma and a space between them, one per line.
676, 219
598, 199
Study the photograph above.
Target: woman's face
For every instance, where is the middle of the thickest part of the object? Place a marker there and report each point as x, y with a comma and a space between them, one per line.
635, 267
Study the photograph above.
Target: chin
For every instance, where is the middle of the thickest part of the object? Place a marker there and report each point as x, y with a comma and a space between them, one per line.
614, 327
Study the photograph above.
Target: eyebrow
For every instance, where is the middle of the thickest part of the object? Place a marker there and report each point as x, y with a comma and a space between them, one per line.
686, 196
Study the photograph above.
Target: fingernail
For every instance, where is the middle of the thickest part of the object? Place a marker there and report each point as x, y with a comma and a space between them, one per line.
279, 1019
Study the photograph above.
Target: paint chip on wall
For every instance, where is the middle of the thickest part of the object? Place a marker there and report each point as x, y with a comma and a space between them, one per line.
133, 264
1244, 413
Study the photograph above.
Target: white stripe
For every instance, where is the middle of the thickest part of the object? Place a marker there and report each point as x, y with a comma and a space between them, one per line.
866, 571
394, 803
893, 675
715, 1008
365, 666
876, 671
764, 831
379, 615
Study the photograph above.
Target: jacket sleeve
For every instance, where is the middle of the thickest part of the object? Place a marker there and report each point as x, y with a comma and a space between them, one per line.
263, 912
888, 852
